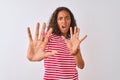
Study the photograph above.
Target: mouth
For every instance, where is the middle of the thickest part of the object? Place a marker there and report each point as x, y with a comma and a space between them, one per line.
63, 26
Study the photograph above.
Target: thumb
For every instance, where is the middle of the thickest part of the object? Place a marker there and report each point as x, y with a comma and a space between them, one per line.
64, 39
83, 38
48, 54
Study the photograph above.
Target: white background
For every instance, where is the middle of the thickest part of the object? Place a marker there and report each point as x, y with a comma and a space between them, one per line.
99, 19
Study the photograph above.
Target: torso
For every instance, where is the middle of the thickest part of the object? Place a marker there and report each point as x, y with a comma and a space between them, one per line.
62, 64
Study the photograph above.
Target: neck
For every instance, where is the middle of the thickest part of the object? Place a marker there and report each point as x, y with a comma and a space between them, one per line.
65, 35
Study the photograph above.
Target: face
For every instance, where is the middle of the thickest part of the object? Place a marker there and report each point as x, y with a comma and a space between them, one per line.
64, 21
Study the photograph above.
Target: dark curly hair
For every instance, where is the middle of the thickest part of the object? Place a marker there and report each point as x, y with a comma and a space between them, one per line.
53, 21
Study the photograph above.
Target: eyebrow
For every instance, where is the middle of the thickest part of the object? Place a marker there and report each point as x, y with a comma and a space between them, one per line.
62, 17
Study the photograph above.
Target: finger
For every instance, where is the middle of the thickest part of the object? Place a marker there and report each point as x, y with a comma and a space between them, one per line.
83, 38
48, 54
42, 32
78, 32
48, 35
71, 32
29, 34
37, 31
75, 29
64, 38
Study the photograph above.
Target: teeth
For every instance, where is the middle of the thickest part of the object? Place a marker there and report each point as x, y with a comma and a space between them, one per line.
63, 25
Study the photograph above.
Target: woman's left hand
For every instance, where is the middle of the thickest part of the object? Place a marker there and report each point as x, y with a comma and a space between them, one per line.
74, 41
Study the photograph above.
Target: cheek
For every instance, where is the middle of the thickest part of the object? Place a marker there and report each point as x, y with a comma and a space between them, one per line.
58, 23
59, 26
69, 23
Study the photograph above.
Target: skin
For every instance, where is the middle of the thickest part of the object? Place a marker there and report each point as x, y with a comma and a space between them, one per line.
36, 48
64, 20
73, 43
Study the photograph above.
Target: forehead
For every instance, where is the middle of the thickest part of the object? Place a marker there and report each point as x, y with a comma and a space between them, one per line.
63, 13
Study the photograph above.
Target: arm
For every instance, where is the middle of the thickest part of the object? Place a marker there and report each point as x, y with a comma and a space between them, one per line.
79, 60
73, 45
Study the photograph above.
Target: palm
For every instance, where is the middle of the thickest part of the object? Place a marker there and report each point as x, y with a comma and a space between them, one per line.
36, 48
73, 44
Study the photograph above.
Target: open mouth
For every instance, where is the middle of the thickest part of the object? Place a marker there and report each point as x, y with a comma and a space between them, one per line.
63, 26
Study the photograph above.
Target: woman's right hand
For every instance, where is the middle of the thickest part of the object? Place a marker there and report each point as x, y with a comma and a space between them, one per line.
36, 48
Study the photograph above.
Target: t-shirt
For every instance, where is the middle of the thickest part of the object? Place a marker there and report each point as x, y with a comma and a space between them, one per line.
62, 65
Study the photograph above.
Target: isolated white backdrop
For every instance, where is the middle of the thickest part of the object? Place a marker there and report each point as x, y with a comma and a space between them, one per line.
99, 19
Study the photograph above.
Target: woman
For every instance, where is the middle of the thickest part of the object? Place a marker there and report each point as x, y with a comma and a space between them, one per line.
59, 46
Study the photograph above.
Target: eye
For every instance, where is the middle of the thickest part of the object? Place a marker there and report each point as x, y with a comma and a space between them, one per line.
60, 18
68, 18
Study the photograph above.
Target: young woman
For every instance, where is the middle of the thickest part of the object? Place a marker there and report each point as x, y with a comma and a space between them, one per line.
59, 46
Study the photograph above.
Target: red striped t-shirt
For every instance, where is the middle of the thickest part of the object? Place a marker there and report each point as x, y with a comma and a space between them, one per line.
62, 65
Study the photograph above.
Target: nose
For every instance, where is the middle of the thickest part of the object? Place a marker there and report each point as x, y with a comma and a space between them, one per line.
64, 20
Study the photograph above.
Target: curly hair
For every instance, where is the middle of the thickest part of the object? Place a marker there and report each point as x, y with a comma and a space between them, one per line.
53, 21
